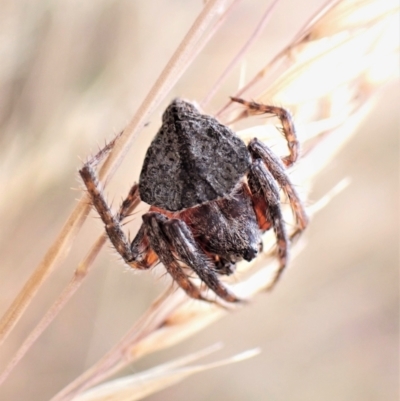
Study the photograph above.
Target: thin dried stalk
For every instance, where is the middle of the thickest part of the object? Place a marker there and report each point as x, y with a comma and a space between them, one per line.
55, 255
63, 298
174, 317
136, 387
282, 59
242, 52
59, 250
213, 30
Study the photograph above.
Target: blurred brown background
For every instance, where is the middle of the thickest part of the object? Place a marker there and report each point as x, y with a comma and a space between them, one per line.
72, 73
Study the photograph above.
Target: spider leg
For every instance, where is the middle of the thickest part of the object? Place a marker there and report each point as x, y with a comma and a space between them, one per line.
103, 152
159, 242
287, 124
129, 203
193, 256
110, 220
262, 183
260, 151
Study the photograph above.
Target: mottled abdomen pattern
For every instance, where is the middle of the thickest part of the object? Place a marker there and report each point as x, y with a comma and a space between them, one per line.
192, 160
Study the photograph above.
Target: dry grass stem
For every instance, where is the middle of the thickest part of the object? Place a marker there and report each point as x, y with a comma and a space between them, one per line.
76, 281
136, 387
282, 60
213, 30
328, 76
347, 96
55, 255
58, 251
242, 52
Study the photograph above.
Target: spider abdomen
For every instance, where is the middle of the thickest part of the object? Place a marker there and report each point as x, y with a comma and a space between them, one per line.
193, 159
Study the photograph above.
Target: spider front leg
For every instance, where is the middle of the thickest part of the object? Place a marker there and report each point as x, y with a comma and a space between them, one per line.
266, 197
172, 236
288, 128
111, 221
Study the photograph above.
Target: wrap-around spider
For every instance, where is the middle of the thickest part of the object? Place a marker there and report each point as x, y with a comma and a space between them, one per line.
211, 196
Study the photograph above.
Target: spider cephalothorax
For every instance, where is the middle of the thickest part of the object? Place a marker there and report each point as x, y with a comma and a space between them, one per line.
211, 197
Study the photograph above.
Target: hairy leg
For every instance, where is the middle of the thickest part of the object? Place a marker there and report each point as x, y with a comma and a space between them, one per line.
159, 242
193, 256
111, 221
259, 150
288, 128
262, 184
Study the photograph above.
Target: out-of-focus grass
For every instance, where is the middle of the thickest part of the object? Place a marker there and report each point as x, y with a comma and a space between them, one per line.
72, 74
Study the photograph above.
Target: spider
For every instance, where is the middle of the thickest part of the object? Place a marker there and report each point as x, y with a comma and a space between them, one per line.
211, 197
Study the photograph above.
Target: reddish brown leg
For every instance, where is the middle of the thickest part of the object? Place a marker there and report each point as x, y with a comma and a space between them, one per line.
193, 256
262, 184
160, 244
259, 150
112, 221
287, 126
